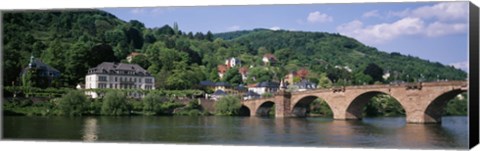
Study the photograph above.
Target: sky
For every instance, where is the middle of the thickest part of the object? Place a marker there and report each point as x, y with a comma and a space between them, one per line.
435, 31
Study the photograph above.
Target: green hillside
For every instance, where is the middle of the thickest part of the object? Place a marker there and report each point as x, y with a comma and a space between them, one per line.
73, 41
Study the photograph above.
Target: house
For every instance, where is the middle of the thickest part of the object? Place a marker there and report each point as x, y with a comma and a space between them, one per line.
269, 59
386, 75
218, 94
224, 86
346, 68
45, 73
305, 85
80, 86
264, 87
251, 95
222, 69
300, 74
132, 55
118, 76
244, 72
232, 62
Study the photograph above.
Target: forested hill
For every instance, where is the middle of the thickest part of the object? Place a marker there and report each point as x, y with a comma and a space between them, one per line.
320, 50
73, 41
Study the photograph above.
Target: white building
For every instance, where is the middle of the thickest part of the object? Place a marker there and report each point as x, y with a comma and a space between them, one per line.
118, 76
264, 87
232, 62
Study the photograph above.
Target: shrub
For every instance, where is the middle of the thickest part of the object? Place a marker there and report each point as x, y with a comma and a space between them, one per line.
114, 103
72, 103
228, 105
151, 103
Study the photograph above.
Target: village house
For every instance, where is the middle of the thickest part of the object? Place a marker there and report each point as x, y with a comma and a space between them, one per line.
132, 55
244, 72
118, 76
45, 73
300, 74
221, 70
232, 62
251, 95
269, 59
264, 87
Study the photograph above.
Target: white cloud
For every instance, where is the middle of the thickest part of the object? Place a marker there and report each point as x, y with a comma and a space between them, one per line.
317, 17
461, 65
380, 33
372, 13
233, 28
275, 28
439, 29
447, 11
431, 21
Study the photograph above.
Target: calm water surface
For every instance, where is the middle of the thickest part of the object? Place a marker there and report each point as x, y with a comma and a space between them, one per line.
391, 132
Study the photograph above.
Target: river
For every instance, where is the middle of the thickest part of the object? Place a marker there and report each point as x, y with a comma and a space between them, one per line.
386, 132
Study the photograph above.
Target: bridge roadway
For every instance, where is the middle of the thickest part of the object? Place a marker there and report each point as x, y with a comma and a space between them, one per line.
422, 102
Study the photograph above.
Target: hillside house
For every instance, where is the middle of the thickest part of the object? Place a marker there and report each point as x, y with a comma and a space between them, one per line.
45, 74
118, 76
264, 87
269, 59
232, 62
132, 55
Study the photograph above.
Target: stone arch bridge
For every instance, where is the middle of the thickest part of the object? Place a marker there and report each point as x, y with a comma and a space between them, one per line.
422, 102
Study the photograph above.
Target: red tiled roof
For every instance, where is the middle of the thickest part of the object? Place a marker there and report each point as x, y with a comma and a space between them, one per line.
252, 85
302, 73
243, 70
222, 68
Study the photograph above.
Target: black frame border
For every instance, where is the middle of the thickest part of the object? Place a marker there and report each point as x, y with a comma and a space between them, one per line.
473, 111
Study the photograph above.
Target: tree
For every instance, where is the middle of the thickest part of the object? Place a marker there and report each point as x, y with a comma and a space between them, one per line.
324, 82
114, 103
374, 71
175, 28
209, 36
73, 103
102, 53
76, 66
29, 78
151, 103
259, 74
361, 79
232, 76
228, 105
142, 61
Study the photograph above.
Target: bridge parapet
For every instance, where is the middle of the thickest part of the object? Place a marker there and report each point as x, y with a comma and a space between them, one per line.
258, 99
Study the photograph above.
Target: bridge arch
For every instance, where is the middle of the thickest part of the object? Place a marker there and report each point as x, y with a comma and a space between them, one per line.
435, 109
299, 108
244, 111
264, 108
355, 108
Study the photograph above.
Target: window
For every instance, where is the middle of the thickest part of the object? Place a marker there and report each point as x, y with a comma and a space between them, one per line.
148, 80
102, 78
115, 79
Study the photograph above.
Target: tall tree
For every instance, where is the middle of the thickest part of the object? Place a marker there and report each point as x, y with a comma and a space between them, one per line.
374, 71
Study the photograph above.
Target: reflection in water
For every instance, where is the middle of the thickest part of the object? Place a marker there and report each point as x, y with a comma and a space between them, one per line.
90, 129
391, 132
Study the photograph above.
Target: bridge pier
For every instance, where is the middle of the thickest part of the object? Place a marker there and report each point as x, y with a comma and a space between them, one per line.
282, 104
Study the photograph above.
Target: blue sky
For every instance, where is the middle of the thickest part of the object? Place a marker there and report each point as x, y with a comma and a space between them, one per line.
433, 31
